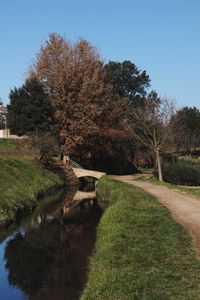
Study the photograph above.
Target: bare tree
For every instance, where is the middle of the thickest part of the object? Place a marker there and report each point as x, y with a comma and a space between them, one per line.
43, 145
3, 112
152, 126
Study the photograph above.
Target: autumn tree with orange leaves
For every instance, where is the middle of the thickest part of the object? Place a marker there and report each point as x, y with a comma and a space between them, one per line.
86, 112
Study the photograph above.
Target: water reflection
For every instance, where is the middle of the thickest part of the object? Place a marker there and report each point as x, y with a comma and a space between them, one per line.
48, 259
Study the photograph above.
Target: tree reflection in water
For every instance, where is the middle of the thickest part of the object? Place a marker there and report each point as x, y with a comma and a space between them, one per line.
49, 261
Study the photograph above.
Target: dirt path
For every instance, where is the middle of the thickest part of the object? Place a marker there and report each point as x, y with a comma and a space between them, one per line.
184, 208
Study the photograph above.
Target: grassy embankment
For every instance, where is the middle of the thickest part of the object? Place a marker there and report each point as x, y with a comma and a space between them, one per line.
9, 147
22, 180
141, 252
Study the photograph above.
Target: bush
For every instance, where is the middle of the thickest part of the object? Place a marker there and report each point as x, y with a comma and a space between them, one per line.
182, 172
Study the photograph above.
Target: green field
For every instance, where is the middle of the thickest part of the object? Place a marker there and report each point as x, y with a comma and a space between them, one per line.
141, 252
21, 182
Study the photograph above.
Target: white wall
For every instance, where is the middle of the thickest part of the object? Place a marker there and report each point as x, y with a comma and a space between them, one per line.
4, 133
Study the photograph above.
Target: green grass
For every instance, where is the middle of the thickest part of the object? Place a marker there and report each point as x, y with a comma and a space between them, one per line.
141, 252
15, 148
9, 145
186, 189
21, 182
146, 170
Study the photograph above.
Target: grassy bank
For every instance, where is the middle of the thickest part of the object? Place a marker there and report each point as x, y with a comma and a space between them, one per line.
141, 252
21, 182
16, 148
8, 146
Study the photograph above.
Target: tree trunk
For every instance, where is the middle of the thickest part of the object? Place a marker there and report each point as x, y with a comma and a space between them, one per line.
160, 177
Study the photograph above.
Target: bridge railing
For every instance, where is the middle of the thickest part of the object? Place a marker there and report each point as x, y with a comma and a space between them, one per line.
74, 164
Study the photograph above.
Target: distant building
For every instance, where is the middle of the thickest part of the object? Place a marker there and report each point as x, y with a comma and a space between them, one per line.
4, 131
3, 110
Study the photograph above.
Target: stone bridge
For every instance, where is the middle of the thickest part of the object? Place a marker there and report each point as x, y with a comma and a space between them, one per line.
79, 196
79, 172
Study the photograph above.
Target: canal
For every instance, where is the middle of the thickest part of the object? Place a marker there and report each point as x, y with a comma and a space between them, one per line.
45, 256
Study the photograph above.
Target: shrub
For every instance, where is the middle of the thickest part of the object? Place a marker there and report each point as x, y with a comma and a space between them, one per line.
181, 172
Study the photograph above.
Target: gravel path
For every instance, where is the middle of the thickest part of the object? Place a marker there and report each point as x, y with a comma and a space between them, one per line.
184, 208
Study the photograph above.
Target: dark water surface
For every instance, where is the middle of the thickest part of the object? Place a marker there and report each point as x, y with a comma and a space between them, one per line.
46, 255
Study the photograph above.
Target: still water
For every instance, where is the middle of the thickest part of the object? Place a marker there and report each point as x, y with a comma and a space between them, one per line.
46, 255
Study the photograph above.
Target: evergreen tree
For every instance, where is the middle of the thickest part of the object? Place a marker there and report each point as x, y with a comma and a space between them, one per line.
186, 128
29, 110
127, 81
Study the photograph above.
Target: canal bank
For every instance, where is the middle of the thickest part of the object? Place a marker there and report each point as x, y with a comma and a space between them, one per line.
22, 182
140, 251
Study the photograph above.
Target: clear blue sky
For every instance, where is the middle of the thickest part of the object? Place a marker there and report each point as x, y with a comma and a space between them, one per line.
159, 36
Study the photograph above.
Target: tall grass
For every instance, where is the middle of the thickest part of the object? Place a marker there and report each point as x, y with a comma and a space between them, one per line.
15, 148
141, 252
9, 145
